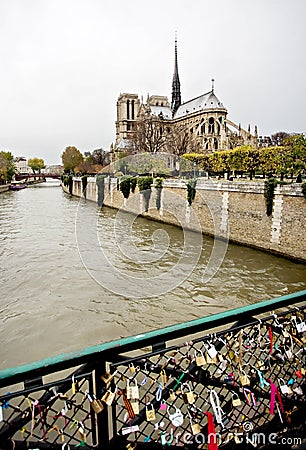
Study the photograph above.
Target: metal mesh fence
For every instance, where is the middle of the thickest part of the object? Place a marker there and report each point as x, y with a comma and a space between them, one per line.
222, 387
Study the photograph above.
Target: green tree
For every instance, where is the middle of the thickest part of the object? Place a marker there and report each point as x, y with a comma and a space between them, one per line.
71, 158
219, 161
7, 167
244, 159
36, 164
296, 147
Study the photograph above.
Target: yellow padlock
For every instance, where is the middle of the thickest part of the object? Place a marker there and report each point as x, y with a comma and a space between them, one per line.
150, 412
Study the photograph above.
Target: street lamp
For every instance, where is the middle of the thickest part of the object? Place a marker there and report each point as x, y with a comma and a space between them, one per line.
194, 169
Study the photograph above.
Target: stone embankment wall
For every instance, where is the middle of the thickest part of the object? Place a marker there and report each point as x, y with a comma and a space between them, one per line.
4, 188
234, 210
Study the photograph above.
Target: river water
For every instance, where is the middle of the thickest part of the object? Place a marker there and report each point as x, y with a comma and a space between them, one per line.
50, 303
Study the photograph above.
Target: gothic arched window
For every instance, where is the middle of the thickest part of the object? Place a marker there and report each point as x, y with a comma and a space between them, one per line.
211, 125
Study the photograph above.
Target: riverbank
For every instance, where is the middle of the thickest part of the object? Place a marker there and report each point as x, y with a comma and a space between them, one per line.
228, 210
4, 188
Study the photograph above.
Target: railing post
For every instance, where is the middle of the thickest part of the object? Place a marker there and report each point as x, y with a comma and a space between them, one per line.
103, 417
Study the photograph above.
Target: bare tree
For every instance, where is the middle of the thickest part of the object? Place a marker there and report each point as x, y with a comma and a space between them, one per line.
150, 135
98, 156
278, 138
179, 141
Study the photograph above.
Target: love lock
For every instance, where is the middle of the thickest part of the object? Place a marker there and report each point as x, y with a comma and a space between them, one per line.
177, 418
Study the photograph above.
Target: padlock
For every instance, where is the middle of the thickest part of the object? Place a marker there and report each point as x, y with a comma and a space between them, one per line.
177, 418
300, 326
172, 396
196, 428
135, 406
244, 379
231, 354
95, 404
211, 350
285, 333
150, 412
132, 368
108, 397
188, 397
163, 377
209, 360
107, 377
62, 436
163, 406
236, 400
284, 388
200, 360
289, 352
224, 418
132, 392
82, 433
298, 390
73, 386
131, 446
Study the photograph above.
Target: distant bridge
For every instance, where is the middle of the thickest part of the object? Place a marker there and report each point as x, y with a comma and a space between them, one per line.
36, 176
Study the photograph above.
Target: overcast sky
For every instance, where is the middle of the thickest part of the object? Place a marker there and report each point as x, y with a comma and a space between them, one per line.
64, 63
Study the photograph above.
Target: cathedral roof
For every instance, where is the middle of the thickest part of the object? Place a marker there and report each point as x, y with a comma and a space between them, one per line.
203, 102
164, 110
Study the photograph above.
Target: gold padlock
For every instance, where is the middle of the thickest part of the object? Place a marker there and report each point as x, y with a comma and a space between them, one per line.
209, 360
236, 400
172, 396
95, 404
150, 413
108, 397
135, 406
200, 360
244, 379
131, 446
188, 397
107, 377
196, 428
132, 368
231, 354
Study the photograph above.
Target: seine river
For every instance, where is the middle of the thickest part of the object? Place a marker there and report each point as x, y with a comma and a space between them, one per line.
50, 303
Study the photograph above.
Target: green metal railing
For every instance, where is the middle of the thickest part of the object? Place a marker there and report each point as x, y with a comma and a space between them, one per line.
159, 388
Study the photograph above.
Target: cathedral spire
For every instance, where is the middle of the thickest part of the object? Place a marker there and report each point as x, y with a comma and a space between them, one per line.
176, 87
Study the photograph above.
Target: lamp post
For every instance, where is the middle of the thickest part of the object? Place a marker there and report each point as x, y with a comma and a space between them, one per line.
194, 169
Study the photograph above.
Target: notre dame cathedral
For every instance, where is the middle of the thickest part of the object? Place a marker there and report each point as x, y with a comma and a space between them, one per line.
204, 117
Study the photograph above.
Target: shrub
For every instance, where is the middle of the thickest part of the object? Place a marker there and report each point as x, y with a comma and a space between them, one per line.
84, 185
270, 186
133, 182
191, 191
100, 184
144, 184
70, 184
125, 186
158, 187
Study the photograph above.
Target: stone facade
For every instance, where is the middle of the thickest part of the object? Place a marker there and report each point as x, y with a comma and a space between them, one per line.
234, 210
204, 118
